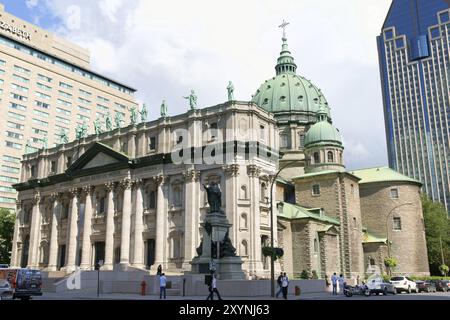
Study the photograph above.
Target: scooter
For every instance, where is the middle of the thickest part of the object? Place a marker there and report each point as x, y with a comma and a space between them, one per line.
362, 290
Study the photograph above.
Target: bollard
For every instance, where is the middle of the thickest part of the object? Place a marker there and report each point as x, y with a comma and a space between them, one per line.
297, 290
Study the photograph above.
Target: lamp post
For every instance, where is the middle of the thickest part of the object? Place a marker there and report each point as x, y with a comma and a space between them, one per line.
272, 261
387, 227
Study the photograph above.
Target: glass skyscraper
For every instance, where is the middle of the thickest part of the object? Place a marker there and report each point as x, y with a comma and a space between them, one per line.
413, 50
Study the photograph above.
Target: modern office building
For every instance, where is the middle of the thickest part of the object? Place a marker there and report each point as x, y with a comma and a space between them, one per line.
414, 59
46, 87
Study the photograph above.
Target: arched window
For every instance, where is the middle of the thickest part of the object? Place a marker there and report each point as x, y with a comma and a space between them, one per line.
243, 194
372, 261
244, 248
301, 144
244, 221
330, 156
316, 246
316, 190
263, 192
283, 141
316, 157
355, 223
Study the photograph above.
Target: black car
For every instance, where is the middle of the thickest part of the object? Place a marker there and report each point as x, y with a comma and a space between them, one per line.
426, 286
441, 285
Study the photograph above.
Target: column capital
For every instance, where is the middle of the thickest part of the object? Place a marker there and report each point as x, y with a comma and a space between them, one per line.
37, 199
160, 180
110, 186
137, 183
231, 170
74, 192
126, 183
191, 175
88, 189
253, 170
56, 196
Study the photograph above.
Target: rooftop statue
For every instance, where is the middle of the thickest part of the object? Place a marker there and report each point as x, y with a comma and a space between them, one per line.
63, 138
192, 100
97, 126
230, 90
164, 109
108, 122
214, 197
133, 115
45, 142
143, 113
118, 120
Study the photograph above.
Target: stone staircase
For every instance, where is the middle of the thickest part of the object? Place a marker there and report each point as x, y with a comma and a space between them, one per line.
50, 278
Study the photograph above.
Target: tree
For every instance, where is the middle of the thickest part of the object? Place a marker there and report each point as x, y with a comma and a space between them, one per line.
390, 263
444, 269
304, 275
437, 232
275, 252
7, 219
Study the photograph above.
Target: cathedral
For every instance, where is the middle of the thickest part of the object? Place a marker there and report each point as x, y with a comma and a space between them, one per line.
134, 197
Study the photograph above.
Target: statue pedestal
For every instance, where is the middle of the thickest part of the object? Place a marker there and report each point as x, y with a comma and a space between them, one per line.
216, 248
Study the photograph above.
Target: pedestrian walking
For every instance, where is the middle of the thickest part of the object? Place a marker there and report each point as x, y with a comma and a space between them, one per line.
162, 286
279, 282
213, 289
334, 281
285, 285
341, 283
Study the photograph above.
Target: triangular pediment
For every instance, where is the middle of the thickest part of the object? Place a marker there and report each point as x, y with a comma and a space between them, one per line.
98, 158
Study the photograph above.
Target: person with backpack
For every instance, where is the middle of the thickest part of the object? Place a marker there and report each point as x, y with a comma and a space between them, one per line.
213, 288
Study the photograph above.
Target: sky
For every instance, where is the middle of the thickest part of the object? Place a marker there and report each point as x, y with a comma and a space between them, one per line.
166, 48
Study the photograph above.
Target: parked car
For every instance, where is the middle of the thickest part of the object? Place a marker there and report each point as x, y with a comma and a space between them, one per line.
24, 283
426, 286
379, 286
447, 282
402, 283
441, 285
5, 289
4, 266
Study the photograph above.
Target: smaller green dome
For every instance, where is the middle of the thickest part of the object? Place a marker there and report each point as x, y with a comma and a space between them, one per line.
323, 132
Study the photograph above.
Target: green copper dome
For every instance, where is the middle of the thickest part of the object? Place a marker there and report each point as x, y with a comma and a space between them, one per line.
323, 132
287, 91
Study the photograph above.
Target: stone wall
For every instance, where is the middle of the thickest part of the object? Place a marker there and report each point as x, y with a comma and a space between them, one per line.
408, 244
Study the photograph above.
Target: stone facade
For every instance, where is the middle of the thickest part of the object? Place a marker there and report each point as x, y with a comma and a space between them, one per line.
122, 199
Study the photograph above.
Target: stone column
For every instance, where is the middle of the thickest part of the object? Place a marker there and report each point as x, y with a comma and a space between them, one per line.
138, 254
232, 194
109, 237
253, 172
160, 244
73, 231
35, 227
87, 230
191, 212
132, 145
14, 255
126, 224
53, 252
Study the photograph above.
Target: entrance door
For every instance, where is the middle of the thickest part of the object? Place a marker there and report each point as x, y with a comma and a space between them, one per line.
62, 256
25, 249
150, 253
99, 252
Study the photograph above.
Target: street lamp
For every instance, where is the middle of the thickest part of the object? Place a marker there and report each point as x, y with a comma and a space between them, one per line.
272, 261
387, 227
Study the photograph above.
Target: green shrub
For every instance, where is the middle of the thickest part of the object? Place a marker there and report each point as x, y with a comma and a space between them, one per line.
314, 275
443, 269
304, 275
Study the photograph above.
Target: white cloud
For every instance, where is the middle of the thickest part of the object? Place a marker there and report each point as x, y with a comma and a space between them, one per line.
31, 3
165, 48
109, 8
73, 17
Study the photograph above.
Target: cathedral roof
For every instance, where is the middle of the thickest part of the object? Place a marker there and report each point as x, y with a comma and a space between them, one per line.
382, 174
287, 91
323, 132
292, 211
